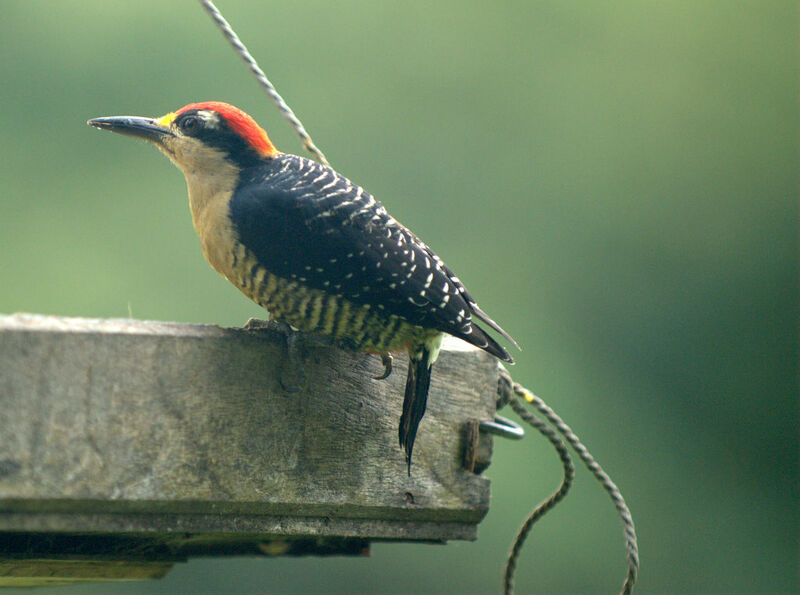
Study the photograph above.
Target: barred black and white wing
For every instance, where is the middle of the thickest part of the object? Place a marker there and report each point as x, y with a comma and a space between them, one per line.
307, 223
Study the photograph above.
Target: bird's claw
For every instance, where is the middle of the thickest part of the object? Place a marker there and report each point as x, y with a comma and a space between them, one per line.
386, 360
254, 324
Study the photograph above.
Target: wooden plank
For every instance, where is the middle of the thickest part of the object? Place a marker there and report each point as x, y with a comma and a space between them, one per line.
51, 572
114, 426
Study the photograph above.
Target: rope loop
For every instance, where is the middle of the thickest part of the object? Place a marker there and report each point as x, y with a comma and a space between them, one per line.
517, 396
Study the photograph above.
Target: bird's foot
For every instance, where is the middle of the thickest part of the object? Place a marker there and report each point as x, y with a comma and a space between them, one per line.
254, 324
386, 360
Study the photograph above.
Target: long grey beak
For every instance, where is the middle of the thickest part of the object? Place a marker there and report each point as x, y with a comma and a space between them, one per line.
145, 128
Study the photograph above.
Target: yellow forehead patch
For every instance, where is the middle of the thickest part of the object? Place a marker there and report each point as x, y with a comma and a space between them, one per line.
165, 121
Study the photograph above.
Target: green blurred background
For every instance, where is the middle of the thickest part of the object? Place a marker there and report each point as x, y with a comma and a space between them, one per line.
615, 182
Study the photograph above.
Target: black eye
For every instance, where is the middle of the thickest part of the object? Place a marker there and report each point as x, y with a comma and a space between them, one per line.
189, 124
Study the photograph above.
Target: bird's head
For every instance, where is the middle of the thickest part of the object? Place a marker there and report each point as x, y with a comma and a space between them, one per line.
199, 136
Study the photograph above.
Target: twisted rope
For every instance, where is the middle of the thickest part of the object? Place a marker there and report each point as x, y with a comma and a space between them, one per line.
511, 393
546, 505
240, 48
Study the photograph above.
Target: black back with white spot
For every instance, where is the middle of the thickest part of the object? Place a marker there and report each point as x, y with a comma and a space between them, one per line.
307, 223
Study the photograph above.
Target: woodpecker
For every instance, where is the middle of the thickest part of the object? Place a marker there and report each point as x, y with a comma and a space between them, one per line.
314, 249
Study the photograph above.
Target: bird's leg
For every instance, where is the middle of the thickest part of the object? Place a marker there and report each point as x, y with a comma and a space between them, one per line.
386, 360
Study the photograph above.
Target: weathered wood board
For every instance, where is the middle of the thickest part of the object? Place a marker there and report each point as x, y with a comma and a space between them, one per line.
132, 427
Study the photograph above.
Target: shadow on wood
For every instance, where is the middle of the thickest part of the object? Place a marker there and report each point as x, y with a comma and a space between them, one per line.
149, 442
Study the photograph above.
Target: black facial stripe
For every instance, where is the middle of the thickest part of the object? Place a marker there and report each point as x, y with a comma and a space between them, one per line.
219, 136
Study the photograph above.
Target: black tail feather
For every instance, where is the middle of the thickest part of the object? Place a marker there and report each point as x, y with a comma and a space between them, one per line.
416, 398
481, 315
480, 338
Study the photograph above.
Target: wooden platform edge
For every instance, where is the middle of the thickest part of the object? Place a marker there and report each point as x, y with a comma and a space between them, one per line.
125, 427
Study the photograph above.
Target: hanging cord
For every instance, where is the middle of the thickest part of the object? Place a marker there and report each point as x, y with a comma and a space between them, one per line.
514, 393
287, 112
504, 389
